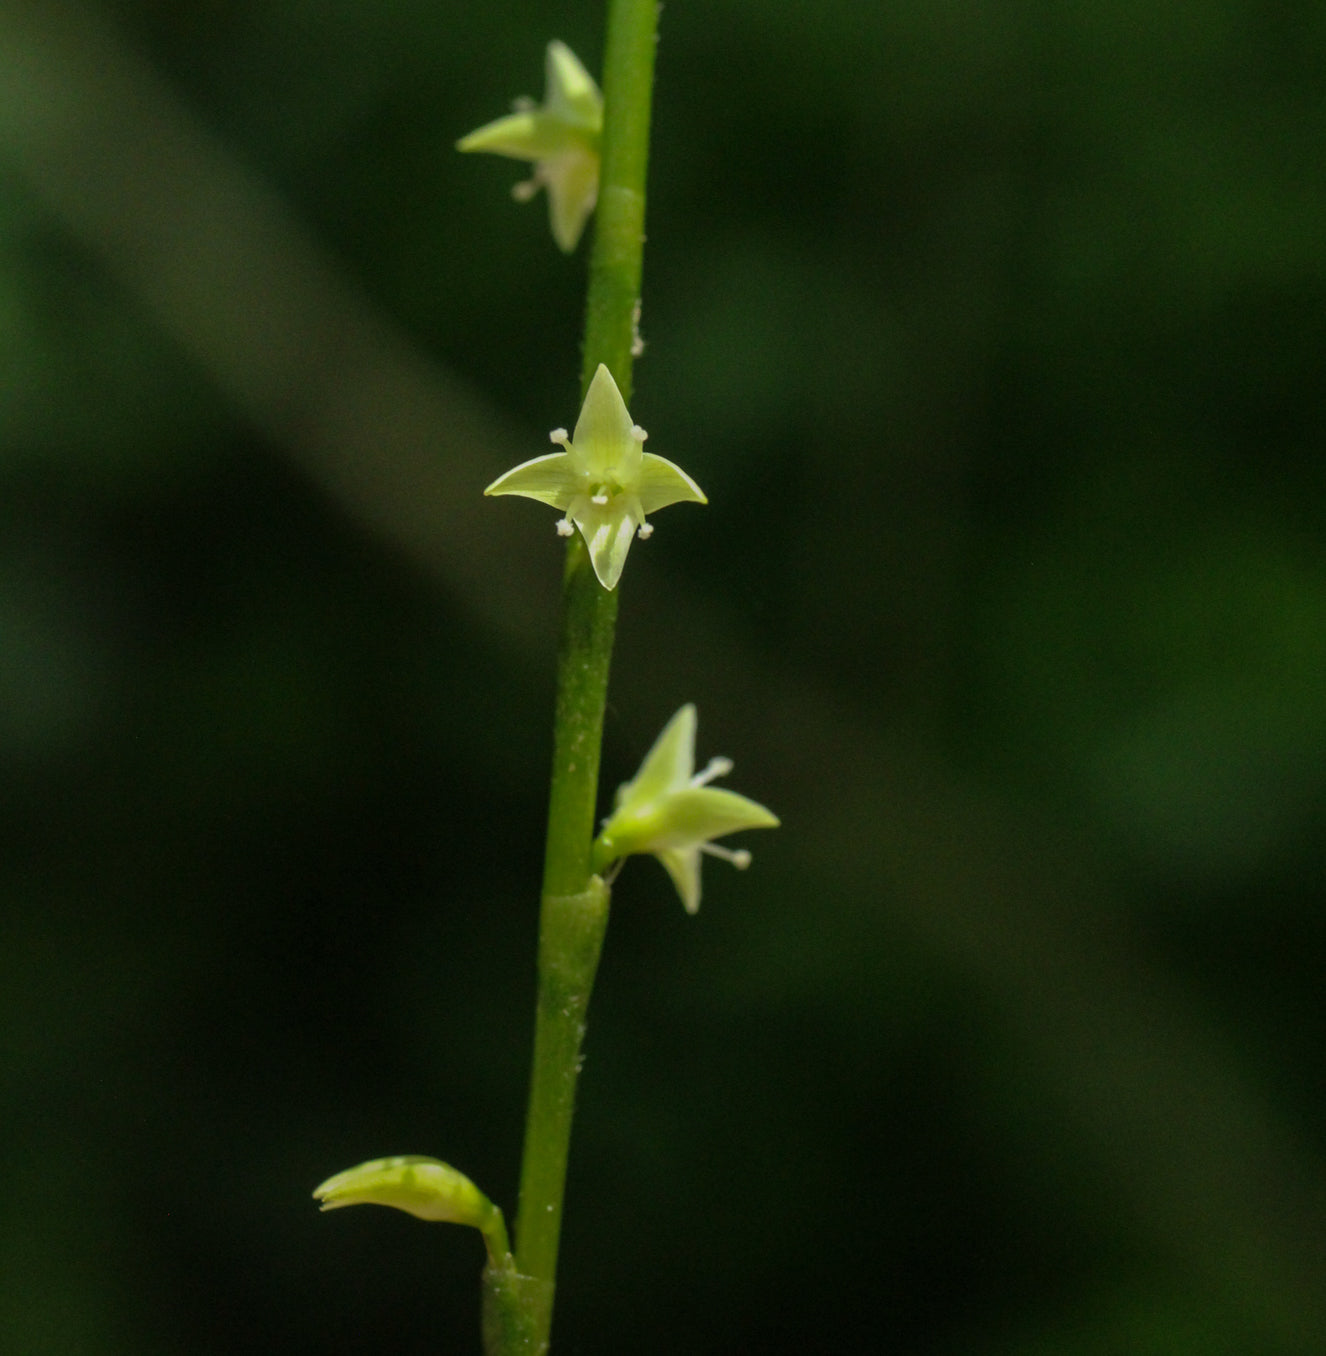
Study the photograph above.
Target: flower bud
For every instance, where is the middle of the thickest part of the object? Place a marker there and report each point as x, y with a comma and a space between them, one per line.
424, 1187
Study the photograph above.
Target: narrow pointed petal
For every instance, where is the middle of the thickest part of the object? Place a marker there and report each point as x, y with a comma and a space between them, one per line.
603, 436
570, 89
529, 135
573, 189
669, 765
663, 482
551, 479
608, 535
701, 814
683, 865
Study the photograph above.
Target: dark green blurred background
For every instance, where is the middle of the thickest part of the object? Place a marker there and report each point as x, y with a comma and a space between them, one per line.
996, 334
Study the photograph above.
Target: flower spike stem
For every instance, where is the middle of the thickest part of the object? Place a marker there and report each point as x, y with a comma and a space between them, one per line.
574, 912
617, 262
515, 1312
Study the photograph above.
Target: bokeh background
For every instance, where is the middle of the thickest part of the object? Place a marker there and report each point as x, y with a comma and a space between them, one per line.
996, 334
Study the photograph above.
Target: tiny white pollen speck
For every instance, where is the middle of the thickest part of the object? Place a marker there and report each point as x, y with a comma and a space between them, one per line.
600, 499
564, 528
558, 435
646, 531
638, 433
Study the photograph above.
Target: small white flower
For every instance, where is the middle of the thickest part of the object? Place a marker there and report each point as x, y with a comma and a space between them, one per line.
561, 136
603, 480
669, 810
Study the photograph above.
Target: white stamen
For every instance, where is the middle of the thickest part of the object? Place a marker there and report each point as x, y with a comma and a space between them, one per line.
564, 527
600, 499
718, 767
638, 433
740, 858
646, 531
558, 435
526, 189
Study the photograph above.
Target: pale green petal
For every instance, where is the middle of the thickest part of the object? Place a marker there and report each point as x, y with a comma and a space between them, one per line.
503, 136
570, 90
671, 820
528, 135
683, 865
662, 483
608, 533
702, 813
551, 479
603, 443
667, 766
573, 188
424, 1187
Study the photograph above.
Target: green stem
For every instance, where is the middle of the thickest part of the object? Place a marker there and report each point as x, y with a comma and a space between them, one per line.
574, 909
619, 229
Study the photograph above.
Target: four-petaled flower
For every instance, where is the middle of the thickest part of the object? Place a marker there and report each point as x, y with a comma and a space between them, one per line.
561, 136
602, 481
670, 811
